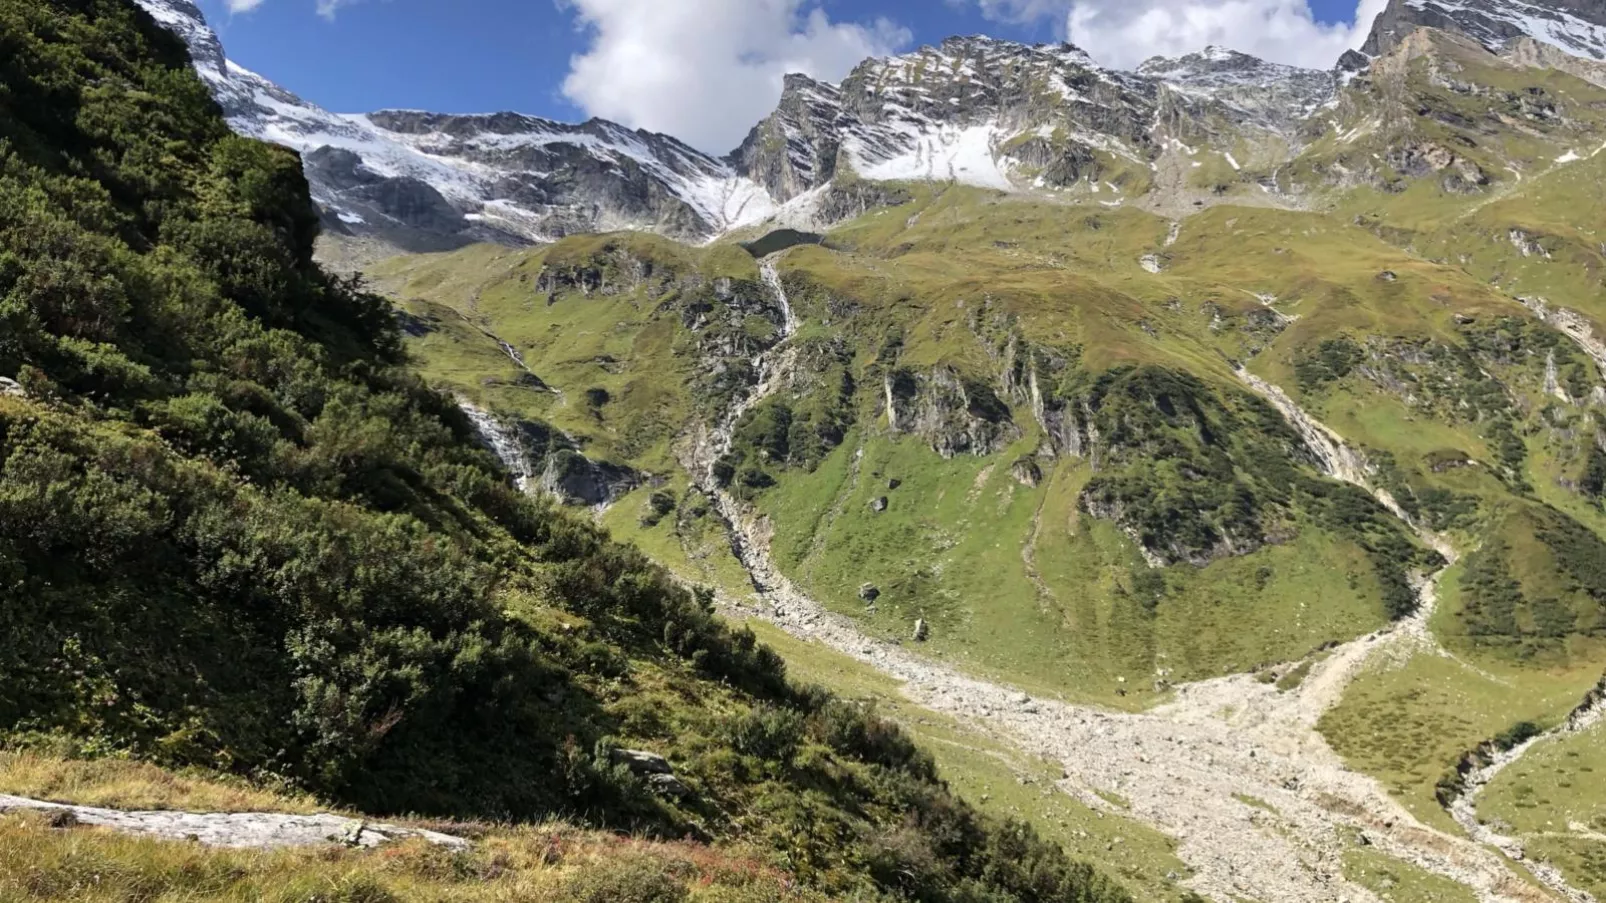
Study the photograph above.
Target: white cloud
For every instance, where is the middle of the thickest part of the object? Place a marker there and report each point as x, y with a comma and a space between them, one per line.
706, 70
1123, 33
1126, 32
326, 8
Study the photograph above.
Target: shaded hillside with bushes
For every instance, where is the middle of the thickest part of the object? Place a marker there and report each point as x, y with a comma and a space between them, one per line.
238, 532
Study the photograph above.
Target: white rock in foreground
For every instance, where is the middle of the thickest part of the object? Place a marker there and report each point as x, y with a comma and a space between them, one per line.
243, 830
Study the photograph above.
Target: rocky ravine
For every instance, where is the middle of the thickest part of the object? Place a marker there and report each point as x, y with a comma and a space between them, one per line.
1185, 768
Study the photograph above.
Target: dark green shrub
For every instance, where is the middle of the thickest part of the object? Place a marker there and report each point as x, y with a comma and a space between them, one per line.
768, 733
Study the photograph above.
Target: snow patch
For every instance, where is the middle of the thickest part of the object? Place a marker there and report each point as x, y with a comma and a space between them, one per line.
942, 153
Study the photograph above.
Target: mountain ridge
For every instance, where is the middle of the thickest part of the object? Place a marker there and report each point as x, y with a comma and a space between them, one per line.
1043, 118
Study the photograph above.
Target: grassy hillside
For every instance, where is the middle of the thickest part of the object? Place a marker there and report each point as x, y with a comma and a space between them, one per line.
956, 309
1021, 422
240, 535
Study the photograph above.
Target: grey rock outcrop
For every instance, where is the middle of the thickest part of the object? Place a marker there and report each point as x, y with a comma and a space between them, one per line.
955, 415
542, 459
641, 762
654, 769
1270, 95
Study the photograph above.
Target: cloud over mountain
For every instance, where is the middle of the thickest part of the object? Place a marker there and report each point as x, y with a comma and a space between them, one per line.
705, 70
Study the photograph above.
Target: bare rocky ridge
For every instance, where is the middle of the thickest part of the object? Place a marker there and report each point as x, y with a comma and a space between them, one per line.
427, 181
1576, 26
251, 830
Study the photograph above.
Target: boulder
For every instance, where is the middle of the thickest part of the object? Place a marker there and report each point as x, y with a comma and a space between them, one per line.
10, 388
922, 631
654, 769
641, 762
1388, 276
668, 785
894, 483
869, 592
879, 505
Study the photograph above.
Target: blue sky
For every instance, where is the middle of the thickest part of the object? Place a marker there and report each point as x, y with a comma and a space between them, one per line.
701, 69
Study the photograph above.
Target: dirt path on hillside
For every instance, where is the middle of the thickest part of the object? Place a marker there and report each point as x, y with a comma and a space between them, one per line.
1234, 769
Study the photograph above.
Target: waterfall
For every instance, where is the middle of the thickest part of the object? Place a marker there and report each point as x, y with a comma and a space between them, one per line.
504, 443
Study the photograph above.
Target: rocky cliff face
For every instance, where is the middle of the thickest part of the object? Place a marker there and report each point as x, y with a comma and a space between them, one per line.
1250, 89
1576, 26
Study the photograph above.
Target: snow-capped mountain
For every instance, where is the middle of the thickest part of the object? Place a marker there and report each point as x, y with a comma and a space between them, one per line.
424, 180
1576, 26
975, 110
1268, 94
1010, 116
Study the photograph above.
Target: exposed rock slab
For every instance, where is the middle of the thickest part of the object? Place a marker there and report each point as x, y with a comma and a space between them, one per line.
244, 830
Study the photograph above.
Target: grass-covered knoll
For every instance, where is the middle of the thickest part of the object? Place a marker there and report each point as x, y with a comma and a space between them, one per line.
1538, 239
1397, 881
239, 534
1020, 581
1537, 583
1554, 788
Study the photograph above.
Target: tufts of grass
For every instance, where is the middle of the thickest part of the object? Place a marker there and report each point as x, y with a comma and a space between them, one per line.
551, 862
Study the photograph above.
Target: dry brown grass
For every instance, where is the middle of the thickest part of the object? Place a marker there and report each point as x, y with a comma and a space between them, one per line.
123, 784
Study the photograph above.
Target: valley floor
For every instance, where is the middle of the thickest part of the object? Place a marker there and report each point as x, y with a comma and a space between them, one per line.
1234, 768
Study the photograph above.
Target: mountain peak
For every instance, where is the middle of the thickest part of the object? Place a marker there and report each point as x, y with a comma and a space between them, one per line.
1576, 26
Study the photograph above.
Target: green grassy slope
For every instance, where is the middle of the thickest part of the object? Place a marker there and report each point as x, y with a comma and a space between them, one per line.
958, 281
